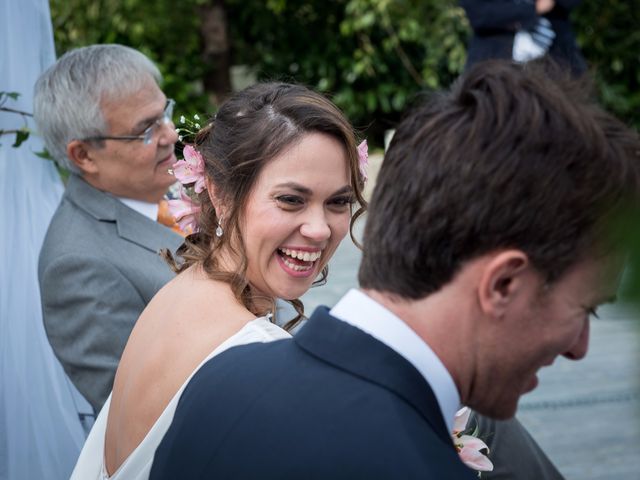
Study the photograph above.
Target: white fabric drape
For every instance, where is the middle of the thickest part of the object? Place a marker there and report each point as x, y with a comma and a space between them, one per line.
40, 432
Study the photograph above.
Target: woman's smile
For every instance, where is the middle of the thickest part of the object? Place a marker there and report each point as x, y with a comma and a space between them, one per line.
298, 262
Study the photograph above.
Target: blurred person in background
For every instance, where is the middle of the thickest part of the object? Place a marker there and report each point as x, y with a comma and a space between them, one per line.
523, 30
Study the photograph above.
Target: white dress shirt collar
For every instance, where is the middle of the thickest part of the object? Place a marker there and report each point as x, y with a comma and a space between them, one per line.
361, 311
149, 210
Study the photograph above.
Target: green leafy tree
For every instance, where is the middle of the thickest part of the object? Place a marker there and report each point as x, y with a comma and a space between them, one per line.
609, 34
372, 56
170, 34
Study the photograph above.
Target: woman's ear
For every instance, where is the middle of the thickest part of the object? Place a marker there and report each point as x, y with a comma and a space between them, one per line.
80, 154
506, 275
214, 197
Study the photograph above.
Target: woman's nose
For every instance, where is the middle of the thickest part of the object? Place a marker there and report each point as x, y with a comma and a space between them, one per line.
316, 227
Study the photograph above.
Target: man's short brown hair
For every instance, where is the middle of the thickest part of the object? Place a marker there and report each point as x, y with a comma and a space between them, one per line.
513, 156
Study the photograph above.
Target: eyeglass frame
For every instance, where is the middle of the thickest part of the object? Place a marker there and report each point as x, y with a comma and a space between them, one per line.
147, 135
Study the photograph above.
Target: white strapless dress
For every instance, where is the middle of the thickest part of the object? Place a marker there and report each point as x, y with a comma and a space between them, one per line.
90, 465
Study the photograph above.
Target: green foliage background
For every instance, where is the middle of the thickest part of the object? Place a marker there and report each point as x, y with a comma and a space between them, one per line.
371, 56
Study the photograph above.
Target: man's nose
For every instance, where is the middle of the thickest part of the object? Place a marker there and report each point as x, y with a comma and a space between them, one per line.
579, 349
167, 133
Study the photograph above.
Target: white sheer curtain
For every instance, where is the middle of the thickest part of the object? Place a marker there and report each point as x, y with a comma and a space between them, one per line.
40, 432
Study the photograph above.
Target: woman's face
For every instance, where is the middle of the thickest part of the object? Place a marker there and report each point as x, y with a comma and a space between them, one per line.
296, 215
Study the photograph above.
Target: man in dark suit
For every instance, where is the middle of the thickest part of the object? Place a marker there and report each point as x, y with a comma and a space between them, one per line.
483, 259
104, 118
523, 29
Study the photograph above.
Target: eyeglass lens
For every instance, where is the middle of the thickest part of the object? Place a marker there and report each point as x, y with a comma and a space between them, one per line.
167, 116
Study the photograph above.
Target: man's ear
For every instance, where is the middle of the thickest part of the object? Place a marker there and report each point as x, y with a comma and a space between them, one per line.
504, 277
80, 155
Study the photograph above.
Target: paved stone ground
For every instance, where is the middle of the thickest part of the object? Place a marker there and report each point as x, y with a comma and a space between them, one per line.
585, 415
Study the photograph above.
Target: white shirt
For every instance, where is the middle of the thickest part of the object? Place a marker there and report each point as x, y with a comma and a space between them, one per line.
149, 210
361, 311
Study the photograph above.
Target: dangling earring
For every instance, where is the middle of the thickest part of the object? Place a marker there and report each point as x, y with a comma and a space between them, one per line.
219, 230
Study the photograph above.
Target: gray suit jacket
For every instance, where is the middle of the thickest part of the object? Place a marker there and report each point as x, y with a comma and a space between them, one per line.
514, 452
99, 267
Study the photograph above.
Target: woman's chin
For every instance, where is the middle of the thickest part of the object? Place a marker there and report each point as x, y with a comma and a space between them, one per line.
294, 292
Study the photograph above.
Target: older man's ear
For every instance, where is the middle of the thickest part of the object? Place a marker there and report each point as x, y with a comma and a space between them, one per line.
79, 153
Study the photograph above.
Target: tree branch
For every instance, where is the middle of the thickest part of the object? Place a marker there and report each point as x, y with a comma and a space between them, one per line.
19, 112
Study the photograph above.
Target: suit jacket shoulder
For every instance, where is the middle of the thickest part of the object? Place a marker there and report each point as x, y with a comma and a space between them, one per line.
98, 268
343, 404
91, 223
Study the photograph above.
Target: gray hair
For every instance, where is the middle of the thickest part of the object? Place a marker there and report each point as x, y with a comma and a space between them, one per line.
68, 96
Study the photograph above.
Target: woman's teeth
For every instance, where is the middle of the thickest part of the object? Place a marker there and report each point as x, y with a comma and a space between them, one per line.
297, 268
300, 255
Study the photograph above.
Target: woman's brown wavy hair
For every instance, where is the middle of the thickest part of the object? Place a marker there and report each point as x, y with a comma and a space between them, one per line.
250, 129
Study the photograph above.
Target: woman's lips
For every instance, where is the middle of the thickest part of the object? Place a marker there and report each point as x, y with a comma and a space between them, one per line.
296, 262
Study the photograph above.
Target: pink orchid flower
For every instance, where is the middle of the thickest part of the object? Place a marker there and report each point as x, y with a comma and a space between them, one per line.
469, 450
469, 447
191, 169
363, 159
185, 211
460, 420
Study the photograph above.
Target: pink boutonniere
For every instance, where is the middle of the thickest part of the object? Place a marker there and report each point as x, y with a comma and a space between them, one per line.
470, 447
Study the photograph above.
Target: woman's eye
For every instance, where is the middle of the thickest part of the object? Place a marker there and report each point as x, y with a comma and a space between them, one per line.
593, 312
290, 200
342, 201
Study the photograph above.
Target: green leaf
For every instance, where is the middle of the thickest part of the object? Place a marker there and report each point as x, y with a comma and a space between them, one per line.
44, 154
12, 95
21, 136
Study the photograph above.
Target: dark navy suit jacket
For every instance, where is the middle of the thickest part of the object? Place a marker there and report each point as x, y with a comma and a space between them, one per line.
495, 23
331, 403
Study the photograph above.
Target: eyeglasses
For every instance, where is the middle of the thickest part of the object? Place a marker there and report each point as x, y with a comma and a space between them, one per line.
147, 135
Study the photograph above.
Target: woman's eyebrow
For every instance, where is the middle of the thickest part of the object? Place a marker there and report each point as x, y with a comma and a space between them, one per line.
307, 191
295, 186
345, 189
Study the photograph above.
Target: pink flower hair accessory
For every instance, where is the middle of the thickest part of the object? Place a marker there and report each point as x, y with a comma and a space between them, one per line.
185, 211
190, 173
191, 169
363, 159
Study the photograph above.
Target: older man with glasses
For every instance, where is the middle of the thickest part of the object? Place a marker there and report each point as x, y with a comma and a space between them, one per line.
105, 119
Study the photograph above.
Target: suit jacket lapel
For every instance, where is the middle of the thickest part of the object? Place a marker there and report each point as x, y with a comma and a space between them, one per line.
93, 201
145, 232
130, 225
351, 349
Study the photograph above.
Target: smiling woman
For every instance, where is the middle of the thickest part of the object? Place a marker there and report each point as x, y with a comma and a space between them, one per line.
298, 212
277, 184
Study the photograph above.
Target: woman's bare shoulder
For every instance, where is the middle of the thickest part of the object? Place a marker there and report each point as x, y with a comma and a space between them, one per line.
188, 319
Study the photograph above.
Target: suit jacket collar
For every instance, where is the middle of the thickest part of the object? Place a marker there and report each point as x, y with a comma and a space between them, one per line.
355, 351
130, 224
